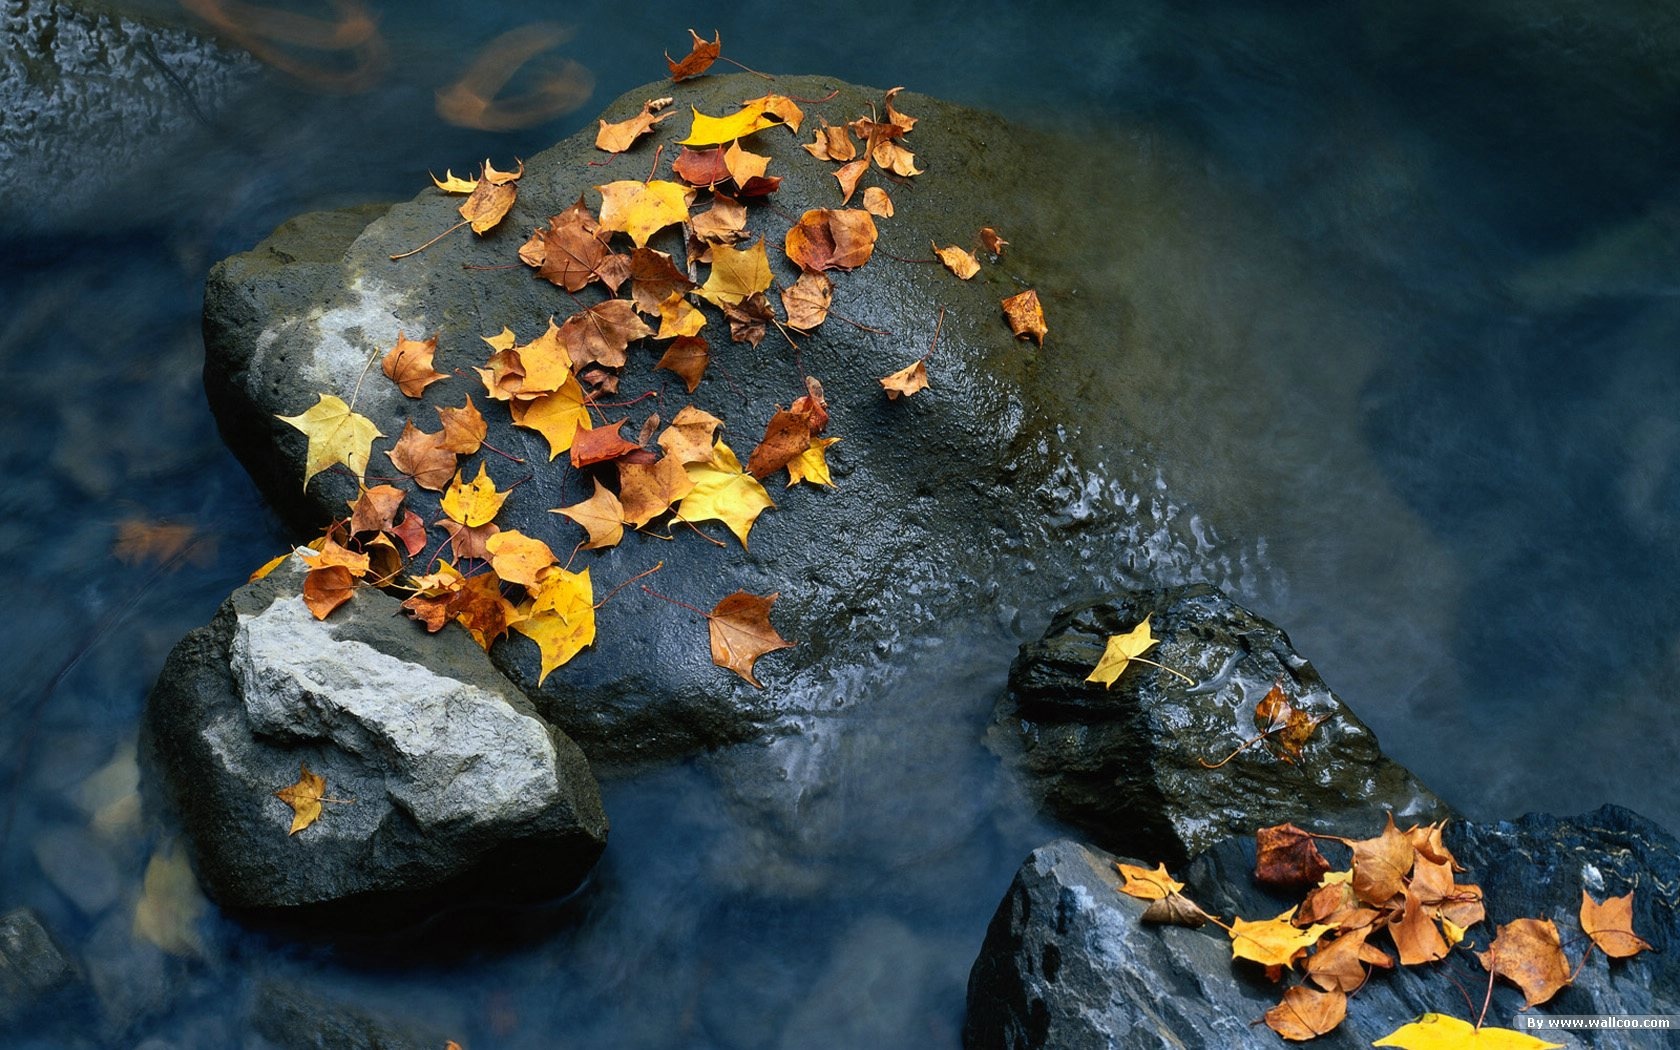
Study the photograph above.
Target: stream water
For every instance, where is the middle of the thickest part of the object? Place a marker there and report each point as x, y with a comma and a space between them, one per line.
1405, 382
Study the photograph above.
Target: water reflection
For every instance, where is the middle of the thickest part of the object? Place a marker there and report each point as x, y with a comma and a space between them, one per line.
352, 55
472, 101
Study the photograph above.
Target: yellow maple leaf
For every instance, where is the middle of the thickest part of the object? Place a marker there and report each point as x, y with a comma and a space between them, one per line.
715, 131
677, 318
561, 619
336, 435
602, 515
1273, 942
518, 558
473, 503
304, 797
642, 209
737, 275
557, 416
451, 183
958, 261
1441, 1032
1121, 650
778, 106
811, 466
1145, 884
724, 492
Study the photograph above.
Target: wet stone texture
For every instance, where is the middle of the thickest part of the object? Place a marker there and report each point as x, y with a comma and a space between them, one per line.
948, 504
449, 772
33, 968
1067, 964
1124, 763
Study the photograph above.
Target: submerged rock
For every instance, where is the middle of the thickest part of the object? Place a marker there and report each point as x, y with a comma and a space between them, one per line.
1125, 763
299, 1018
1067, 964
452, 777
33, 968
944, 501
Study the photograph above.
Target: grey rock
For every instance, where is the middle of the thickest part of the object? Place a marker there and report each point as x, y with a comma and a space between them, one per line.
939, 496
1124, 763
33, 968
298, 1018
88, 95
449, 768
1067, 964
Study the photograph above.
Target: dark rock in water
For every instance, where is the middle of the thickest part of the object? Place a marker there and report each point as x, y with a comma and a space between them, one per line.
1067, 964
453, 776
297, 1018
1124, 763
33, 968
87, 96
945, 500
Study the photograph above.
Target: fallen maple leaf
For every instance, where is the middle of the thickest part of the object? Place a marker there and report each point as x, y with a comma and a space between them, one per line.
600, 445
1380, 865
1610, 925
570, 253
654, 280
832, 143
1339, 965
832, 239
518, 558
908, 380
1175, 909
1529, 954
480, 607
847, 175
690, 436
1119, 652
737, 274
304, 797
1441, 1032
1272, 942
646, 491
616, 138
701, 168
464, 428
787, 435
1416, 935
813, 404
701, 54
1287, 857
422, 457
781, 107
557, 417
561, 619
600, 334
1026, 316
990, 240
468, 541
715, 131
1283, 725
811, 466
409, 365
677, 318
601, 515
326, 588
491, 198
1307, 1013
877, 203
724, 492
375, 509
725, 222
336, 435
473, 503
958, 261
642, 209
688, 357
1145, 884
749, 319
741, 632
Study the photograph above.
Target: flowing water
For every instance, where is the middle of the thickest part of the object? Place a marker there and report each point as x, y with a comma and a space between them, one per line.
1401, 376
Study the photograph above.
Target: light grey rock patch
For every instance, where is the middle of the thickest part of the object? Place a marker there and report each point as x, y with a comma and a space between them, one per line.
450, 771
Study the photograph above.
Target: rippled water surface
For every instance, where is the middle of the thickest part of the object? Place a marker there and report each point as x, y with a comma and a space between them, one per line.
1396, 366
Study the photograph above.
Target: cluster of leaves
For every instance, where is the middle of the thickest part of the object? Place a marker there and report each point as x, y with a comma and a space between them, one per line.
1400, 887
496, 580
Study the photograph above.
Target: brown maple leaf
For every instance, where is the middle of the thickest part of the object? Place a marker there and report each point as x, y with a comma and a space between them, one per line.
464, 428
1307, 1013
807, 300
687, 356
409, 364
1380, 865
422, 457
600, 445
491, 199
749, 319
468, 541
1416, 936
1610, 925
601, 333
832, 239
725, 222
646, 491
654, 278
701, 54
571, 252
832, 143
741, 632
1287, 857
990, 240
375, 509
1529, 954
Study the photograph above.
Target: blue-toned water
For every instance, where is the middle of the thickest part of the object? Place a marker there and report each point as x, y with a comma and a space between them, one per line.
1405, 371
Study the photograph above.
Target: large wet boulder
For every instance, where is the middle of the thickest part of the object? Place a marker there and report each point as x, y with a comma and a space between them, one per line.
454, 783
1066, 962
1128, 763
957, 499
89, 95
34, 971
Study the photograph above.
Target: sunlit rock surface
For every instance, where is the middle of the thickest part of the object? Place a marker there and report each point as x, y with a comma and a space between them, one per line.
447, 773
1067, 964
1128, 763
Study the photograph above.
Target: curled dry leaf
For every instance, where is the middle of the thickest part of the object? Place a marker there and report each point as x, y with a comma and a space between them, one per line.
741, 632
832, 239
1286, 727
1338, 965
616, 138
1175, 909
1026, 316
688, 357
832, 143
749, 319
1529, 954
958, 261
715, 131
725, 222
906, 381
1287, 857
1307, 1013
409, 364
848, 175
701, 54
813, 404
877, 203
1610, 925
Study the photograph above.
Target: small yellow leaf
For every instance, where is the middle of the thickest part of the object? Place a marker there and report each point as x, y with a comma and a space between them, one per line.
811, 466
724, 492
1441, 1032
715, 131
737, 274
304, 797
561, 619
336, 435
1273, 942
473, 503
1119, 652
1145, 884
958, 261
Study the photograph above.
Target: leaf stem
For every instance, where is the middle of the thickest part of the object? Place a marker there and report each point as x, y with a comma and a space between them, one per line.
434, 240
1139, 659
749, 69
499, 452
673, 601
1244, 746
645, 572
